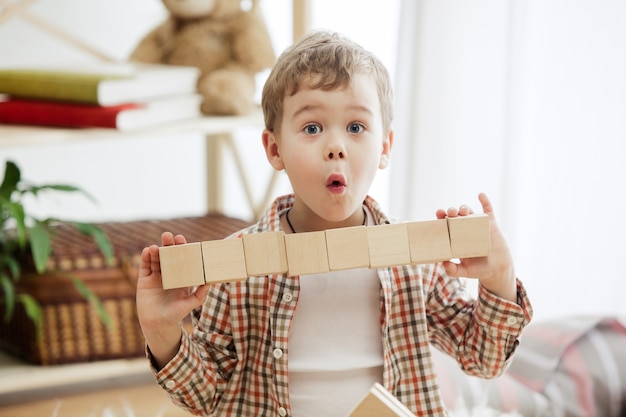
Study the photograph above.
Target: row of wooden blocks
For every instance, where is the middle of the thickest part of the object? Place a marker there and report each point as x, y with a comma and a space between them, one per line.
378, 246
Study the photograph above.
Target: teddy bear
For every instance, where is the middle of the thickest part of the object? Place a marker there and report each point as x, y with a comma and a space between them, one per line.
226, 39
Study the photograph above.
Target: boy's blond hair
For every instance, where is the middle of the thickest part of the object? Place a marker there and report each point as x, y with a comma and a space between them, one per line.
323, 60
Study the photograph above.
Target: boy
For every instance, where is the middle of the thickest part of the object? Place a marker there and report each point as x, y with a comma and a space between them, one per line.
313, 345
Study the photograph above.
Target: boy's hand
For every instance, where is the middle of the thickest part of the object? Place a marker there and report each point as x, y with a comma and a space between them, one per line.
161, 311
496, 272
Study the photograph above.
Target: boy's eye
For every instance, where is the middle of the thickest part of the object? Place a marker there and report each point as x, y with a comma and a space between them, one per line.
312, 129
355, 128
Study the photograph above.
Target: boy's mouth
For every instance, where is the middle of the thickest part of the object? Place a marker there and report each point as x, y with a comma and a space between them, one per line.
336, 183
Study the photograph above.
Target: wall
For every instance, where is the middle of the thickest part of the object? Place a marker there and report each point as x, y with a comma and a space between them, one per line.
526, 101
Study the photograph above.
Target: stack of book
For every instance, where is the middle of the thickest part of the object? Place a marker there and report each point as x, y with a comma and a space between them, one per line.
120, 96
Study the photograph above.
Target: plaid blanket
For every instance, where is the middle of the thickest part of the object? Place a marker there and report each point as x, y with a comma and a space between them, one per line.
570, 367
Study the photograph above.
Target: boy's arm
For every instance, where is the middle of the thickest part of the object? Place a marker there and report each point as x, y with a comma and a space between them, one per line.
197, 375
160, 311
180, 362
481, 334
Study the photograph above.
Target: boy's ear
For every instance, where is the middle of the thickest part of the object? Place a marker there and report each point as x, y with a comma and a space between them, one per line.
386, 151
272, 152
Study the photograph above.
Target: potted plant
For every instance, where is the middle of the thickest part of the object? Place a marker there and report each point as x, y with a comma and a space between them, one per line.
26, 246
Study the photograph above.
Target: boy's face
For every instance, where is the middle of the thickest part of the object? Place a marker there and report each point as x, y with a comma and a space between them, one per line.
331, 144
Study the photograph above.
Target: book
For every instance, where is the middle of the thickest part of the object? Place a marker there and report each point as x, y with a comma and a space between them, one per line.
378, 402
102, 84
123, 117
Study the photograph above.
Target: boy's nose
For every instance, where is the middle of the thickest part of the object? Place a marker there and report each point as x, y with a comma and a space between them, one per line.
335, 150
338, 154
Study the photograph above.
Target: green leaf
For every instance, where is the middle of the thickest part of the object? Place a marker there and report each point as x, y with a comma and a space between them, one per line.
99, 237
57, 187
11, 179
95, 302
41, 246
33, 312
9, 296
36, 189
17, 213
36, 234
12, 266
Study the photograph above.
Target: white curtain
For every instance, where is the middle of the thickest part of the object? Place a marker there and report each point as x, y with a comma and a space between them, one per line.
525, 100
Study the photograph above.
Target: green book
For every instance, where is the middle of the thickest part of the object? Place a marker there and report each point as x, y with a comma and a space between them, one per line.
105, 86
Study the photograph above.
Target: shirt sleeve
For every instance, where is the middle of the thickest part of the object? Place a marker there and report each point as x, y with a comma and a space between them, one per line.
196, 376
482, 334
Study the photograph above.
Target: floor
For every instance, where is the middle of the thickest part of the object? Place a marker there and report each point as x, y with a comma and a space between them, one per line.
145, 400
113, 388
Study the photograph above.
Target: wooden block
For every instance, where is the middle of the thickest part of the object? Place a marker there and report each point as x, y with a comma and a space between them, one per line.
306, 253
265, 253
181, 265
469, 236
347, 248
224, 260
378, 402
429, 241
388, 245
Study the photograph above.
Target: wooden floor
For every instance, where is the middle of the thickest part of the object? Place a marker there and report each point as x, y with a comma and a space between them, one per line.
114, 388
146, 400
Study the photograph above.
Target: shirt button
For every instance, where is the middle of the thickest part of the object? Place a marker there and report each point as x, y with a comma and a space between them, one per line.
287, 297
282, 411
170, 384
511, 321
278, 353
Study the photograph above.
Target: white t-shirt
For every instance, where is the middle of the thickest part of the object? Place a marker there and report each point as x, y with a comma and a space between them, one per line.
335, 342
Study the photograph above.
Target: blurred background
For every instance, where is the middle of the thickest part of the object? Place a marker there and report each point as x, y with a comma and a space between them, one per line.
525, 101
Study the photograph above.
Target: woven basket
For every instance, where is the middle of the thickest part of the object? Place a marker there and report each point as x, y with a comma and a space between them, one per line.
72, 332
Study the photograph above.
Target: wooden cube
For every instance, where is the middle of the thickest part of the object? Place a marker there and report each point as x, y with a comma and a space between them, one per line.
265, 253
347, 248
181, 265
224, 260
388, 245
469, 236
429, 241
306, 253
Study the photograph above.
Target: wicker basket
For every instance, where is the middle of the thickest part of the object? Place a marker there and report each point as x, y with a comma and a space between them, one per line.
72, 332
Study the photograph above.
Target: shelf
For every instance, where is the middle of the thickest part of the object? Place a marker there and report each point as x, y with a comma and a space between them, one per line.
14, 135
218, 131
21, 381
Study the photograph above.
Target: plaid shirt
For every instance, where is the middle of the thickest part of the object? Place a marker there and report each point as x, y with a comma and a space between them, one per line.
235, 361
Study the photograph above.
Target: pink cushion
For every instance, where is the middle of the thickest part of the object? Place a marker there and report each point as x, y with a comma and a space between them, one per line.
460, 390
574, 367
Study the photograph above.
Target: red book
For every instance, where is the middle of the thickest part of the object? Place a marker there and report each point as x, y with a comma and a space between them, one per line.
122, 117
